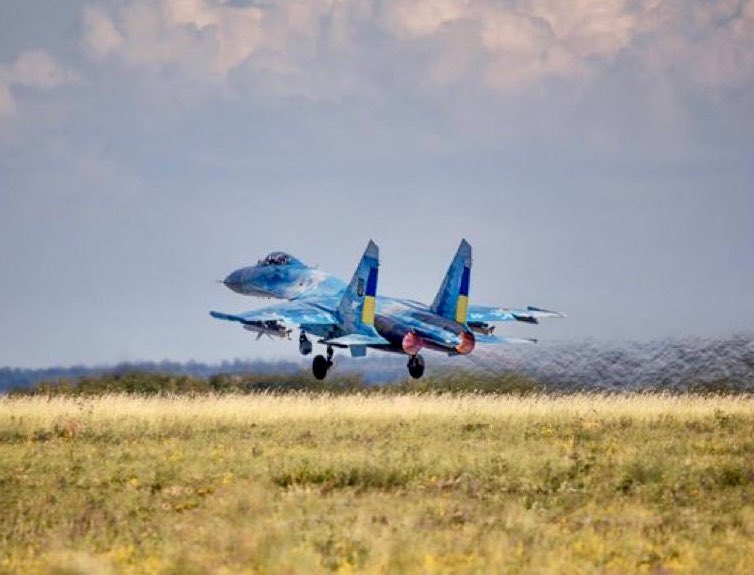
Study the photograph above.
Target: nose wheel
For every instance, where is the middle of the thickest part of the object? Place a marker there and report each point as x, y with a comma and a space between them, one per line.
416, 366
321, 364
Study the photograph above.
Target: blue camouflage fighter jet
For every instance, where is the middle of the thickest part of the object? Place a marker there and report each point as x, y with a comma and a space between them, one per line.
352, 316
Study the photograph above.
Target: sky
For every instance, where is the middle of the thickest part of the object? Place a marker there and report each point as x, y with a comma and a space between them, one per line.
599, 156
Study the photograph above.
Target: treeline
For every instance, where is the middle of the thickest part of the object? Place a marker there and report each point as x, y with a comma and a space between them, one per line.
721, 365
151, 384
673, 365
14, 378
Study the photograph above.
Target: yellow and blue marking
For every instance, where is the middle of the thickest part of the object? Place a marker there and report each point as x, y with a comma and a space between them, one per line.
462, 305
368, 311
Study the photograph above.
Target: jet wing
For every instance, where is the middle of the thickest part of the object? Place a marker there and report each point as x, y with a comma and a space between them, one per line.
487, 314
291, 314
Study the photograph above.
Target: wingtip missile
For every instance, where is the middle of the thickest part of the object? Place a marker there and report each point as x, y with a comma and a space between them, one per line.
545, 313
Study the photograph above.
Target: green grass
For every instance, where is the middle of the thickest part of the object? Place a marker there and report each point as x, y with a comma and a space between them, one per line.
377, 484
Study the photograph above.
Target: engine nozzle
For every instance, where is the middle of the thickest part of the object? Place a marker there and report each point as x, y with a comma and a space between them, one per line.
467, 344
412, 343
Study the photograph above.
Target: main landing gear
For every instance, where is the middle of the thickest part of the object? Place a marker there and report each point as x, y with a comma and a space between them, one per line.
322, 364
305, 346
416, 366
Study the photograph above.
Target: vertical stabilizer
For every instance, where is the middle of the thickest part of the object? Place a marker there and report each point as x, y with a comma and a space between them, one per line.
358, 306
452, 301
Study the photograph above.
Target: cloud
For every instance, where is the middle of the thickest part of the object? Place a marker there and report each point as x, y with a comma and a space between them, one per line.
711, 42
34, 69
7, 102
100, 35
524, 41
37, 69
527, 41
315, 48
422, 19
202, 39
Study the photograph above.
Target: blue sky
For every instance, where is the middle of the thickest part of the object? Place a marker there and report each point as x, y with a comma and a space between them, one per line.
598, 155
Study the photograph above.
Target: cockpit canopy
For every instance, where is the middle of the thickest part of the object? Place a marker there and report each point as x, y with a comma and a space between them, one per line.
277, 259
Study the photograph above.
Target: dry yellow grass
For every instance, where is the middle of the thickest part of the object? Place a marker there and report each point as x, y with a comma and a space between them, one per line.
120, 410
394, 484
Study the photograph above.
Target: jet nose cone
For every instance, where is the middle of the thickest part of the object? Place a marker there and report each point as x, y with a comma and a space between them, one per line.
233, 281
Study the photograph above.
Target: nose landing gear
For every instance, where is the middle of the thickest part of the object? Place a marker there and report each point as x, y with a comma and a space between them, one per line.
322, 364
416, 366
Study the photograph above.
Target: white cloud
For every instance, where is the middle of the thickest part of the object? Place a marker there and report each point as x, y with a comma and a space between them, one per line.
203, 39
100, 34
709, 44
7, 102
527, 40
34, 69
317, 48
37, 69
420, 19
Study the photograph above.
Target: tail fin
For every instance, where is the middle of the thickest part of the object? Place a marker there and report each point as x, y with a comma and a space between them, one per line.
452, 301
357, 308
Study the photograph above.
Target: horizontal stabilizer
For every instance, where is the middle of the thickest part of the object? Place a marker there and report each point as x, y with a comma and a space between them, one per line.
358, 340
545, 314
498, 340
487, 314
226, 316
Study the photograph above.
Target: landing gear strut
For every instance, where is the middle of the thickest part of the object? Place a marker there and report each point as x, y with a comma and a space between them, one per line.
322, 364
416, 366
304, 344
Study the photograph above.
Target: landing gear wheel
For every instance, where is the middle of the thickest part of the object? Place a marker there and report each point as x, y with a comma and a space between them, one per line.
305, 346
320, 367
416, 366
322, 364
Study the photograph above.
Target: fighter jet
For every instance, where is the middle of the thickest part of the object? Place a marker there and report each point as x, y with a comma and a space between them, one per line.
352, 316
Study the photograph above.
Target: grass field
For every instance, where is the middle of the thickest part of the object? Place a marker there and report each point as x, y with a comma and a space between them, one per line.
401, 484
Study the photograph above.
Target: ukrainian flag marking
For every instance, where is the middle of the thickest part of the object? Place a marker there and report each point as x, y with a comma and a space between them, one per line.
462, 309
462, 305
370, 301
367, 316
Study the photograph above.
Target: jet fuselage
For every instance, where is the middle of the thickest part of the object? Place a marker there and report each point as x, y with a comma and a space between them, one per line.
408, 325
